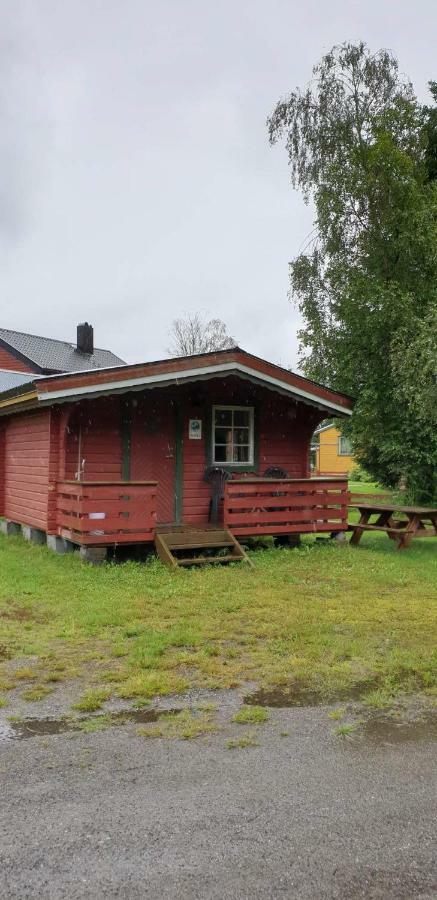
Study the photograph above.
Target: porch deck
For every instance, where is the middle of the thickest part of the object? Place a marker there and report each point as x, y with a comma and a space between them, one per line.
107, 513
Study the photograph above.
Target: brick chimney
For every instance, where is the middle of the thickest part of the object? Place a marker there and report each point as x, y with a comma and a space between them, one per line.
85, 338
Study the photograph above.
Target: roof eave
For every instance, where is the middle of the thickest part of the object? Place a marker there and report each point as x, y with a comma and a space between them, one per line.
186, 375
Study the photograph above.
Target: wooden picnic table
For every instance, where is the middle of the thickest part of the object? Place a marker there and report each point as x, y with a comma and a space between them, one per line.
415, 521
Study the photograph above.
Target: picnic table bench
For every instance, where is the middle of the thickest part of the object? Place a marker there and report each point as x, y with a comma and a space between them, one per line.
415, 521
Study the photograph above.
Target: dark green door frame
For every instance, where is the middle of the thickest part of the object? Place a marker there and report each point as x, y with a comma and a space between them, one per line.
179, 463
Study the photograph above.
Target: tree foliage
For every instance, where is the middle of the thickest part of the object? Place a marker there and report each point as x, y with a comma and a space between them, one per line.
363, 150
196, 334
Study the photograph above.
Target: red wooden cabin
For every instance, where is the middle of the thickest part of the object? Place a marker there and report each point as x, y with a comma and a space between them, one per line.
109, 456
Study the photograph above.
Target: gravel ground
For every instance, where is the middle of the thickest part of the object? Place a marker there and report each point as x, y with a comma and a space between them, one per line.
306, 814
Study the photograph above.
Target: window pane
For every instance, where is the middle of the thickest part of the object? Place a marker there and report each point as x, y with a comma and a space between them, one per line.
345, 446
241, 454
220, 454
223, 435
223, 417
241, 436
232, 437
241, 417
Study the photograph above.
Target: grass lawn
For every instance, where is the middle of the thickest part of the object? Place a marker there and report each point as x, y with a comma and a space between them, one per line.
327, 618
367, 487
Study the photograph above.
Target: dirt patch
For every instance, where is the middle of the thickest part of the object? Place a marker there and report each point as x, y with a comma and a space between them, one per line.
17, 613
299, 694
28, 728
387, 730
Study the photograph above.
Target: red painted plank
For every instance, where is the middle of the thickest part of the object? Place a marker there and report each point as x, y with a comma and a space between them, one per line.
288, 501
98, 526
275, 517
305, 528
143, 537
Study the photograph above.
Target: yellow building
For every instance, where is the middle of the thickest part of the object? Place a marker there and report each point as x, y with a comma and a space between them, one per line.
333, 454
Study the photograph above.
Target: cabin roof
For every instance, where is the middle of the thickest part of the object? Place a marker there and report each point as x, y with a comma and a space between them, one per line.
161, 373
48, 354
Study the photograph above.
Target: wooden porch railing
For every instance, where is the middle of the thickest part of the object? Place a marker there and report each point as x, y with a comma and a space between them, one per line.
106, 512
255, 506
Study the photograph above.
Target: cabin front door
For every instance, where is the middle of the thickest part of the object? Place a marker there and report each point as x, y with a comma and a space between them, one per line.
154, 451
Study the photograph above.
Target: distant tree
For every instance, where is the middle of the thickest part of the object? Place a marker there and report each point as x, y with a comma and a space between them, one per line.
196, 334
430, 113
363, 150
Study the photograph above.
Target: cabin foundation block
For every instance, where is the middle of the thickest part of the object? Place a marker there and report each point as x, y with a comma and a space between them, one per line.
94, 555
59, 544
338, 536
35, 535
287, 540
8, 527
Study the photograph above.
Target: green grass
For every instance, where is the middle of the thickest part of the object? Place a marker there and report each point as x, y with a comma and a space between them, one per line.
345, 731
251, 715
35, 693
92, 700
367, 487
184, 725
330, 618
94, 723
337, 713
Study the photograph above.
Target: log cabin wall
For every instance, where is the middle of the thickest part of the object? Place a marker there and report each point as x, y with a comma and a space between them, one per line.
26, 468
145, 436
93, 442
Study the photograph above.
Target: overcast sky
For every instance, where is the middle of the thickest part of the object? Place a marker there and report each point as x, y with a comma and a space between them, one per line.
136, 178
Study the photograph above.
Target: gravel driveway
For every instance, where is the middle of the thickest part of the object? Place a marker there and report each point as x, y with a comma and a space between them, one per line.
306, 814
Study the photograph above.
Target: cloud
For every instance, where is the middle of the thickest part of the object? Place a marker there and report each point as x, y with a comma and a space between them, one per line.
24, 127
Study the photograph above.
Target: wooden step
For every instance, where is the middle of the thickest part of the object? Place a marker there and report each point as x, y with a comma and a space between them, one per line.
207, 560
196, 545
197, 538
167, 544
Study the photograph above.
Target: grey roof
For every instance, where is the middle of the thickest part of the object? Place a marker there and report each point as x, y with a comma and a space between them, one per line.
58, 356
9, 380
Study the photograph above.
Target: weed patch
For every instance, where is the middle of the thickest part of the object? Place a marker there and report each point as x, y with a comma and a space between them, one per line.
345, 730
251, 715
92, 700
183, 725
95, 723
38, 692
151, 684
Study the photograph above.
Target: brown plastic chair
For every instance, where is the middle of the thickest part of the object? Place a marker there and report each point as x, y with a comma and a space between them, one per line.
217, 478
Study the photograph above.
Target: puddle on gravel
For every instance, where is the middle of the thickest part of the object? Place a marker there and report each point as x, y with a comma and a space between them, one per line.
385, 730
297, 694
28, 728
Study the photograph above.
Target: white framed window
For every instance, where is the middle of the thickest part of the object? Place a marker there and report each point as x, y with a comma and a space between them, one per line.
344, 446
232, 435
